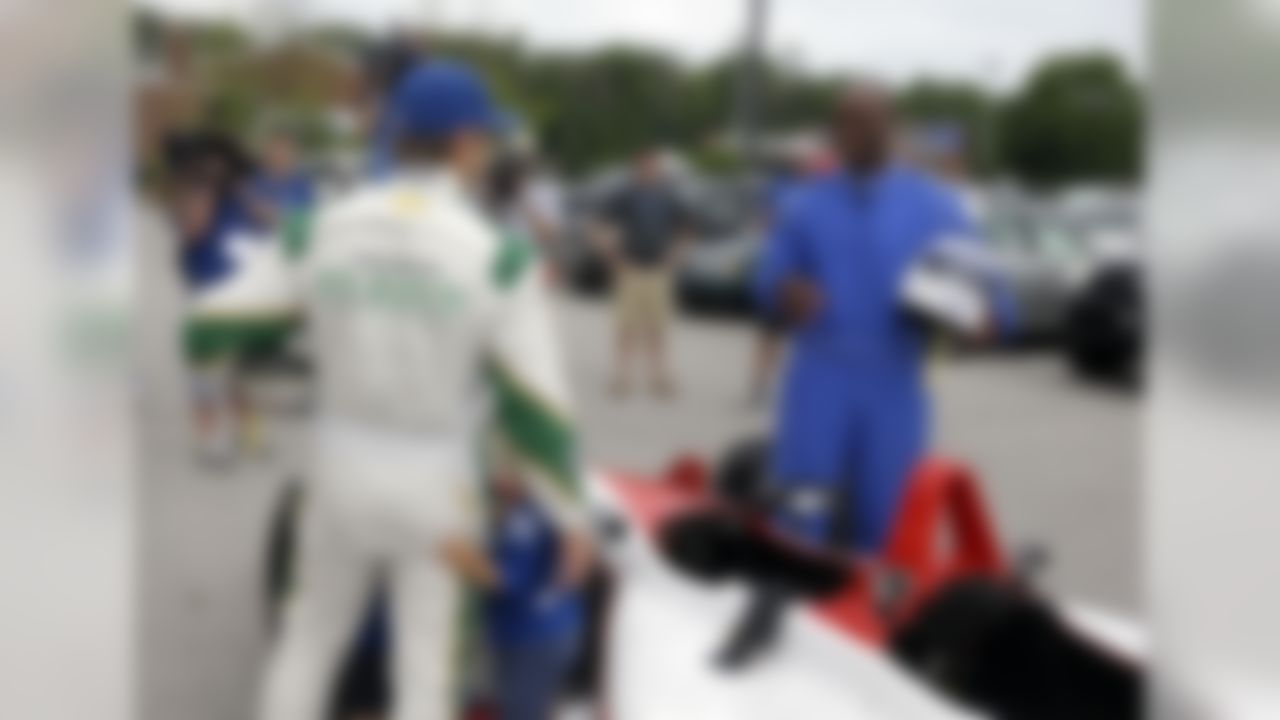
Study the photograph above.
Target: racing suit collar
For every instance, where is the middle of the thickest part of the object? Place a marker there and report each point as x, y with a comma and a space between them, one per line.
866, 185
438, 180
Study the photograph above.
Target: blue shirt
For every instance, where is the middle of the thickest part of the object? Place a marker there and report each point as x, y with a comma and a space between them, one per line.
206, 260
776, 192
292, 192
530, 607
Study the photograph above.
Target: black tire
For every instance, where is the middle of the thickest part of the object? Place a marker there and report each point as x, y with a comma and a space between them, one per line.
1102, 341
1094, 363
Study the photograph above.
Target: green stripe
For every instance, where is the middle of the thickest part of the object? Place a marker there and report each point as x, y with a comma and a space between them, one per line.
535, 430
209, 338
514, 257
297, 234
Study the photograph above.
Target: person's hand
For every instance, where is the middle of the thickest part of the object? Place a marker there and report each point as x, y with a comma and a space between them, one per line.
604, 240
679, 251
801, 300
577, 558
470, 561
266, 213
988, 333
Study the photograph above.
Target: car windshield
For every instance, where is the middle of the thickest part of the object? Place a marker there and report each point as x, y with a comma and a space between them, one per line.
1032, 235
1110, 218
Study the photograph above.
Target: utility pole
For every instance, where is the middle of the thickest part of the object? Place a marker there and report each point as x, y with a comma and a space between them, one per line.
274, 21
988, 141
751, 80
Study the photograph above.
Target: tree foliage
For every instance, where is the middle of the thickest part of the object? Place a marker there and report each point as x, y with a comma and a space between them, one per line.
1077, 118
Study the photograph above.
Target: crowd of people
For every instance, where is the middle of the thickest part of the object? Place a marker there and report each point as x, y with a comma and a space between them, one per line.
428, 308
225, 196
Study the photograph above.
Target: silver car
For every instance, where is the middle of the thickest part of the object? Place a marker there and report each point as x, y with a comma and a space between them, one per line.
1043, 259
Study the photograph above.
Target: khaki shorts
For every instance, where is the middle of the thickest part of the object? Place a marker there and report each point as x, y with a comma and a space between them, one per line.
643, 298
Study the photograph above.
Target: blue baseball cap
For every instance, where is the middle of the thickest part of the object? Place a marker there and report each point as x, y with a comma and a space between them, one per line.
439, 98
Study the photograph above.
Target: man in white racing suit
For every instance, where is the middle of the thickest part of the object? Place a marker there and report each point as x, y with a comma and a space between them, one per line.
431, 330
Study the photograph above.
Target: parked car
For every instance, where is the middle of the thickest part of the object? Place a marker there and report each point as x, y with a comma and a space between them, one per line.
1042, 260
1106, 322
716, 276
583, 268
1105, 334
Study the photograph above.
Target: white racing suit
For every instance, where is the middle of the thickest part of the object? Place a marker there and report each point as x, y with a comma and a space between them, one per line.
430, 328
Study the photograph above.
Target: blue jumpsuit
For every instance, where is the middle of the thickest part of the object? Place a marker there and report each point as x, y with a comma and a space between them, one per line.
854, 414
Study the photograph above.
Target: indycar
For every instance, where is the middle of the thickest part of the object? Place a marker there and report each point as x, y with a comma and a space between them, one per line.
928, 629
939, 626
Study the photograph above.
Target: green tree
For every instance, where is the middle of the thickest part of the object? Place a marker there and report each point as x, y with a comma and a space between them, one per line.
1078, 118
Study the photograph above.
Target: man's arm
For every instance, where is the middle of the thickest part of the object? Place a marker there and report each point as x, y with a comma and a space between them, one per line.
531, 398
684, 233
604, 232
783, 286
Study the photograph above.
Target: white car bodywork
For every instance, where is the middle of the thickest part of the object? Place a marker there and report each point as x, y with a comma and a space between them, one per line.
666, 629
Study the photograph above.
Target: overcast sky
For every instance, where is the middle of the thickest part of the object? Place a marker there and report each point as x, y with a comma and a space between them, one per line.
994, 41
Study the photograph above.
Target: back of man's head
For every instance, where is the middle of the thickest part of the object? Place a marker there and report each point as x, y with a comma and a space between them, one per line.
443, 112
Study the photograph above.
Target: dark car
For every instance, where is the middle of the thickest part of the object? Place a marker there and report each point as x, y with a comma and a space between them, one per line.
716, 276
1106, 323
583, 268
1105, 332
716, 273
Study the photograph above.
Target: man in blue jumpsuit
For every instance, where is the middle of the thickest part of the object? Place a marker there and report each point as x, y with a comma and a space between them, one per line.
853, 418
854, 413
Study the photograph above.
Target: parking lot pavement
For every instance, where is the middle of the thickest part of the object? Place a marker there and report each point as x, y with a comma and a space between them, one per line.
1059, 458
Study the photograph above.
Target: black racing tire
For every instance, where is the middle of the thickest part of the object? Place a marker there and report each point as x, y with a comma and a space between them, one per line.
1093, 363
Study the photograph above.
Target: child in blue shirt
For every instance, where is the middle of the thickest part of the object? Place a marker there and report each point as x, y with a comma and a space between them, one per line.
283, 194
533, 621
